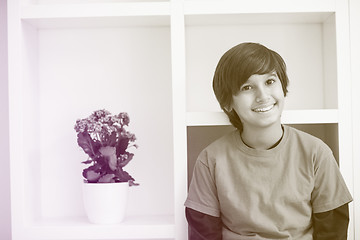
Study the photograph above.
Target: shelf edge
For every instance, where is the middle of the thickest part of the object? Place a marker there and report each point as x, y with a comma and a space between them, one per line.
59, 11
280, 6
312, 116
156, 227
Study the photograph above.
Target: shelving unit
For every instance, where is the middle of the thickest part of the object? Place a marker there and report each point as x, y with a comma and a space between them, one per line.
154, 60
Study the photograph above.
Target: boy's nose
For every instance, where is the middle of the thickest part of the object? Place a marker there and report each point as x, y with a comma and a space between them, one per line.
262, 95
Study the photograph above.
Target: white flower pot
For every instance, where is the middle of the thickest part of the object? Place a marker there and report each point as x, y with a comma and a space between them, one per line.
105, 203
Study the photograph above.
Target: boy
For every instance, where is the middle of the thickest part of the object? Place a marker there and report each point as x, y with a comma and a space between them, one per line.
264, 180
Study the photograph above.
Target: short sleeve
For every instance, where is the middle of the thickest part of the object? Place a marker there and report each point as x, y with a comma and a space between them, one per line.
330, 190
202, 195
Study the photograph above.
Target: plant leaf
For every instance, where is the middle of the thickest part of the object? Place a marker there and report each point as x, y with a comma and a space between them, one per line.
87, 161
85, 142
132, 183
121, 146
124, 163
107, 178
123, 176
91, 175
112, 139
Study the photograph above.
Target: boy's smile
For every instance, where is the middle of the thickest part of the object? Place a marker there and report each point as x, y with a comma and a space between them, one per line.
260, 101
264, 108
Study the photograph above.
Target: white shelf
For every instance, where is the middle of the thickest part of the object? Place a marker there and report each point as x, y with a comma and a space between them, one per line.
137, 227
97, 14
95, 10
312, 116
199, 18
322, 116
277, 6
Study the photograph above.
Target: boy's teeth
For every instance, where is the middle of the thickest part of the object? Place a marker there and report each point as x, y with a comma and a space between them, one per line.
265, 109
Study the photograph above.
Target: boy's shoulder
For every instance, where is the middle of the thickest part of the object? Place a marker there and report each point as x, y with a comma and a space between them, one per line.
305, 139
228, 140
219, 148
296, 133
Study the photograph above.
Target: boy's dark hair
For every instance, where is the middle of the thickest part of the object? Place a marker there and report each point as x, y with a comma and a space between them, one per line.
237, 65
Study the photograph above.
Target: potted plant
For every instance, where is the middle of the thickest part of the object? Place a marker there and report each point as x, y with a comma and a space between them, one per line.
105, 140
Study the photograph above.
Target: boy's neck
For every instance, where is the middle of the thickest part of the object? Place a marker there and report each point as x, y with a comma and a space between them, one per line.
262, 138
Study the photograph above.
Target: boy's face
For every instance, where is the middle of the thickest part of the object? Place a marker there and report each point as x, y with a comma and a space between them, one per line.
260, 101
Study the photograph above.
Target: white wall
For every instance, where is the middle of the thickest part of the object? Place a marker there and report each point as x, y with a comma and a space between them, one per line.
5, 217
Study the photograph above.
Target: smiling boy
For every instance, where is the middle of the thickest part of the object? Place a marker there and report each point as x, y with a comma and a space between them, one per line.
265, 180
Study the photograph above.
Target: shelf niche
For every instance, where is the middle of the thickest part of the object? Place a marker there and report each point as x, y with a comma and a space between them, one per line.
306, 41
70, 72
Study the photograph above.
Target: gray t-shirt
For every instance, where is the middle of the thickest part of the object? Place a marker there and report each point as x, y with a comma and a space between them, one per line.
267, 194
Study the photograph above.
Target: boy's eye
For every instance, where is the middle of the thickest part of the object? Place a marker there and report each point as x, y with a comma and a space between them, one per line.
270, 81
246, 88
